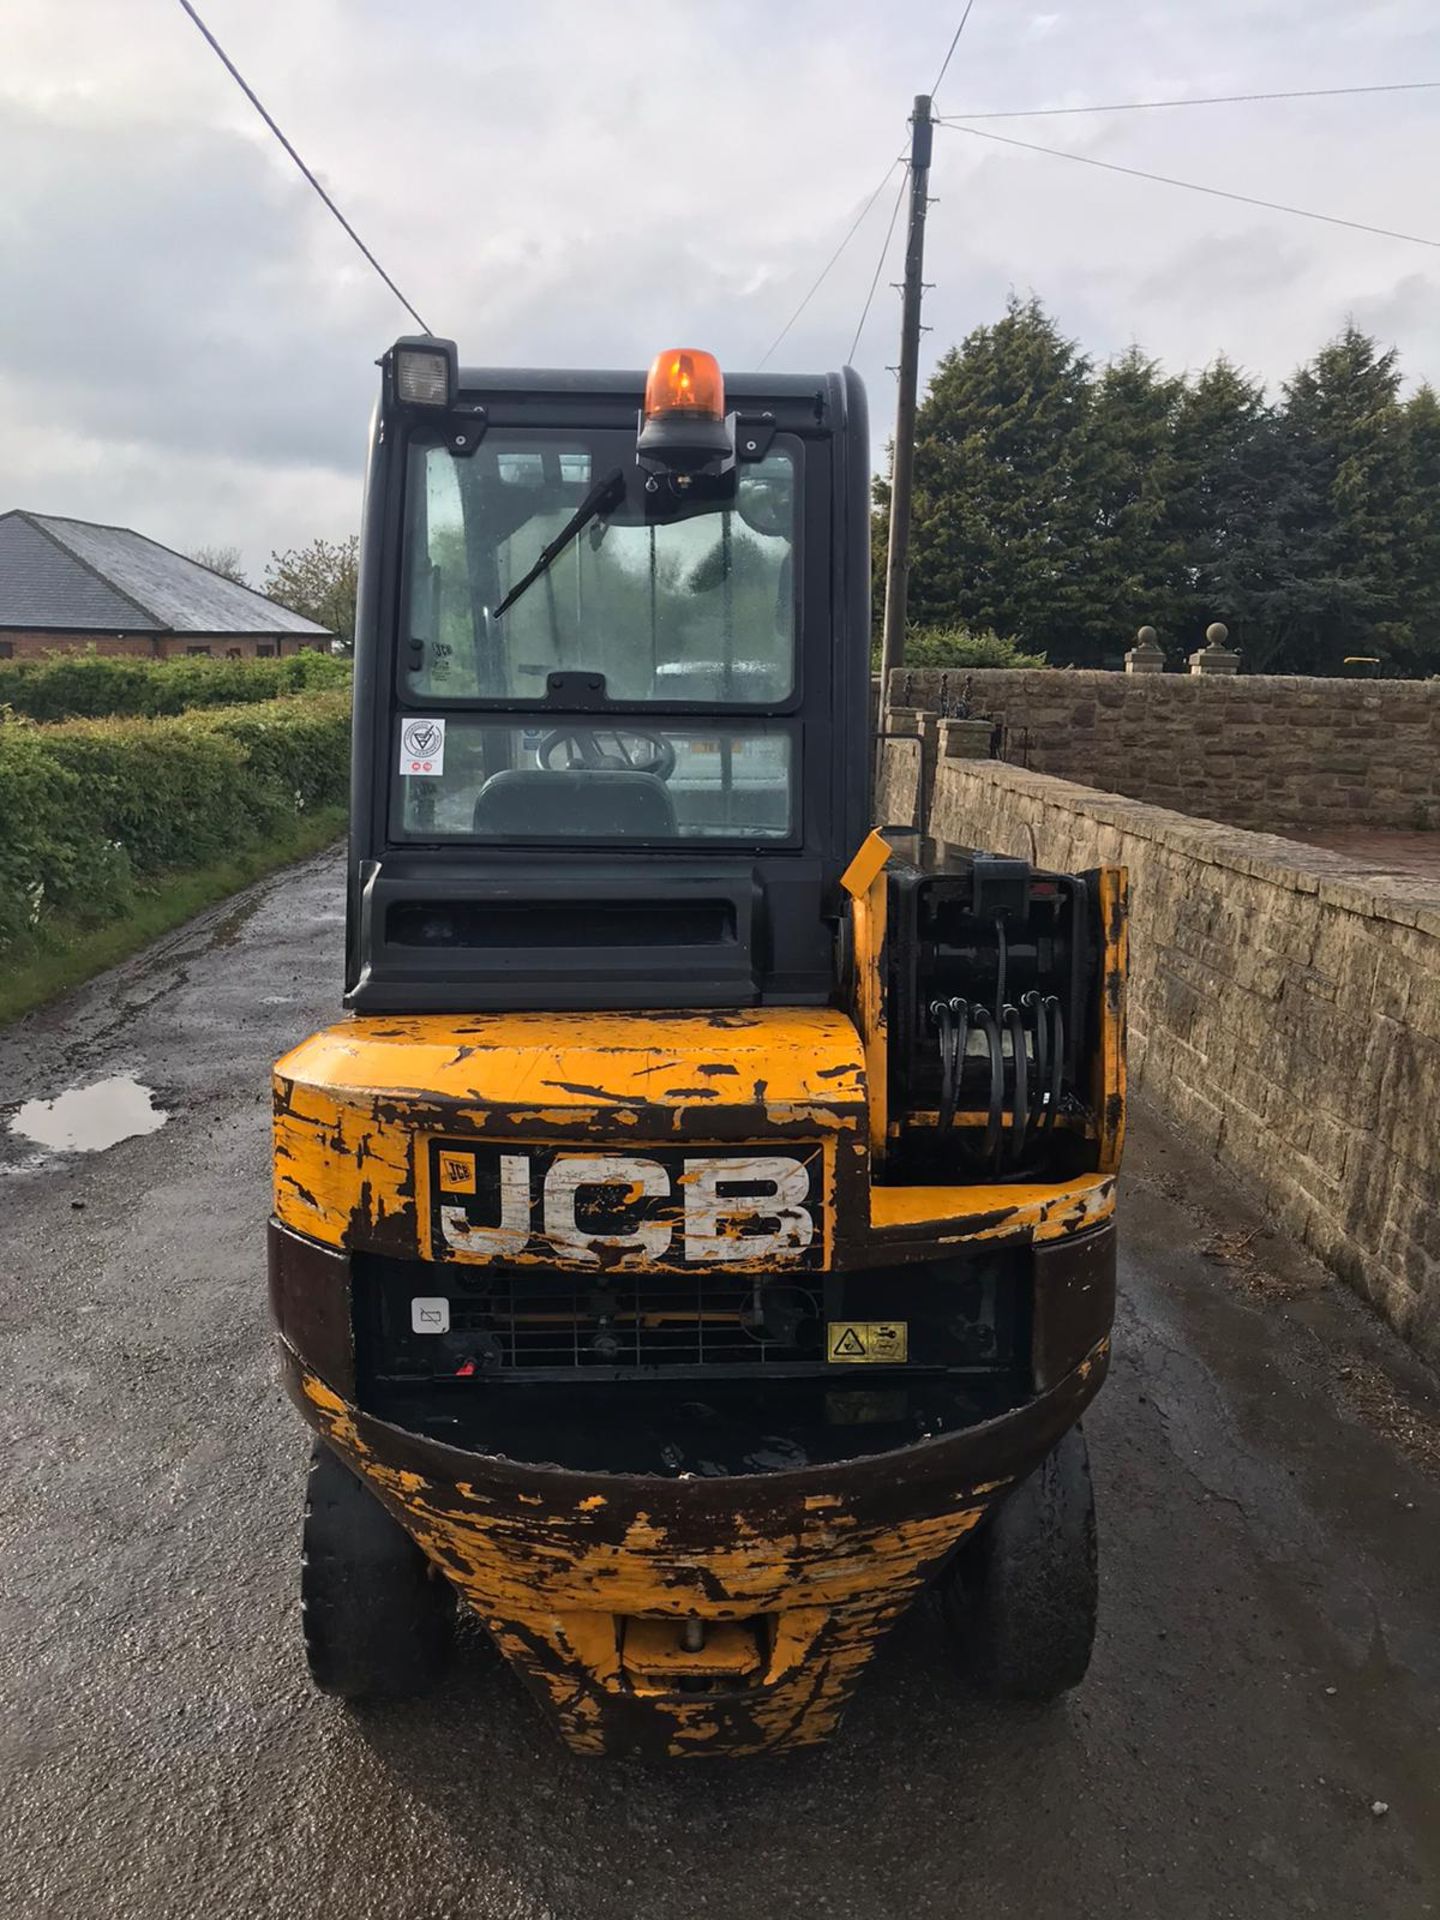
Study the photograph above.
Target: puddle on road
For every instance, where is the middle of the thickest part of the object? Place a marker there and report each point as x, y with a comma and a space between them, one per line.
89, 1119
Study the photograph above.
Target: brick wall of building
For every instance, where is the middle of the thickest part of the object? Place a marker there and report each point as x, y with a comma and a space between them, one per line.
1284, 1009
34, 644
1260, 751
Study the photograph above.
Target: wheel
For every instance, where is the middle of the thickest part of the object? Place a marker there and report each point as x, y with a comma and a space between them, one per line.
378, 1620
1021, 1598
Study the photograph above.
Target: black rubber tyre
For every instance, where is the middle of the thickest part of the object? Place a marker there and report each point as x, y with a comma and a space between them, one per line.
1021, 1598
378, 1620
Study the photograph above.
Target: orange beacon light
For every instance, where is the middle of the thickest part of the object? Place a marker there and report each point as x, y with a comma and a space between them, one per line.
686, 383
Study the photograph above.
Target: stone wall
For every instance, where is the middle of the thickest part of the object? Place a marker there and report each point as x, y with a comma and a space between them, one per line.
1256, 750
1285, 1010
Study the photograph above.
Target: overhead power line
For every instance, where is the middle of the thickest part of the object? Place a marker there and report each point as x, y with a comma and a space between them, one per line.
950, 52
879, 265
1206, 100
1194, 186
259, 106
824, 271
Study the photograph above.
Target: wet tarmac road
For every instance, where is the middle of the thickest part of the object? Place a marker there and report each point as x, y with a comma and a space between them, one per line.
1269, 1667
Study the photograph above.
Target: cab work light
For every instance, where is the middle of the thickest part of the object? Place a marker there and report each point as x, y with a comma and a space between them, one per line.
683, 428
426, 372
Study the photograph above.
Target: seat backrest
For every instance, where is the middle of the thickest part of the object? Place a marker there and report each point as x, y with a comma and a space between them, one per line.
533, 802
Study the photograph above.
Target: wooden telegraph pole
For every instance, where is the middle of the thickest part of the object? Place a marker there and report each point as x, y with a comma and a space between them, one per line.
903, 463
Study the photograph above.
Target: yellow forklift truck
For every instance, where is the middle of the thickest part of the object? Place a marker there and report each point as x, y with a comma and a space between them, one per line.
697, 1236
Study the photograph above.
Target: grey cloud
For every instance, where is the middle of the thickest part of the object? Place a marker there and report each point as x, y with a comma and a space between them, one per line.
165, 289
187, 339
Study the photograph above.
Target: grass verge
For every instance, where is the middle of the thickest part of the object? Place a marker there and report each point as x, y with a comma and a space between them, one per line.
66, 954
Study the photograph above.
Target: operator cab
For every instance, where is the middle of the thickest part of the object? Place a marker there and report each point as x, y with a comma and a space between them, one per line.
611, 687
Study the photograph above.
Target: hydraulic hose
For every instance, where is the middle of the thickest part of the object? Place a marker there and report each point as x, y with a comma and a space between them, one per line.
1019, 1085
959, 1041
1035, 1006
1057, 1059
995, 1120
941, 1014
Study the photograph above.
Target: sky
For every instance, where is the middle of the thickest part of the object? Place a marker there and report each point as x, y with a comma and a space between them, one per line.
187, 339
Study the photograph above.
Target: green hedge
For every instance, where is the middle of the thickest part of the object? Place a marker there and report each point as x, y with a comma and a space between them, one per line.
91, 686
94, 809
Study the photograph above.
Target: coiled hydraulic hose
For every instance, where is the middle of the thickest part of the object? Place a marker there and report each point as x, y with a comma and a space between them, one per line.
952, 1021
995, 1118
1035, 1007
1049, 1056
959, 1041
1057, 1061
1034, 1099
1019, 1085
944, 1024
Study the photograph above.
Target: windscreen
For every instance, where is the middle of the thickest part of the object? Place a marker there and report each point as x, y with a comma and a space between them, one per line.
670, 600
553, 552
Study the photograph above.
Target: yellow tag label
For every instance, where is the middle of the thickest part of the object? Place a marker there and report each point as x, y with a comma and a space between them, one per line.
457, 1173
867, 1342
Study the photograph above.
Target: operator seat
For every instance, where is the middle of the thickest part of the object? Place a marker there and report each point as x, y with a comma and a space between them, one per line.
556, 804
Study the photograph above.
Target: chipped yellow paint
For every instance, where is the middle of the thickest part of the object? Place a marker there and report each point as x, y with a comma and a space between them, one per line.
564, 1062
868, 913
1045, 1212
353, 1102
1097, 1357
330, 1153
1110, 1088
867, 865
557, 1593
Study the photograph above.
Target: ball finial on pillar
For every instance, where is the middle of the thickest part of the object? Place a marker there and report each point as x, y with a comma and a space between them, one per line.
1147, 655
1215, 656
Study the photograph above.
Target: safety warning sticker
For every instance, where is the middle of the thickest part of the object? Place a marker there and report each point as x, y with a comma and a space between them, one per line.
429, 1313
422, 747
867, 1342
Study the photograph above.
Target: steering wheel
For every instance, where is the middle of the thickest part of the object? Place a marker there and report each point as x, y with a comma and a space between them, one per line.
584, 750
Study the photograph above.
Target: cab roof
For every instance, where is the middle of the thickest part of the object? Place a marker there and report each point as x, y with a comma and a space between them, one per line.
751, 388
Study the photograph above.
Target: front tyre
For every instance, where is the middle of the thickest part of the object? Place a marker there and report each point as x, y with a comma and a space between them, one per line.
378, 1620
1021, 1598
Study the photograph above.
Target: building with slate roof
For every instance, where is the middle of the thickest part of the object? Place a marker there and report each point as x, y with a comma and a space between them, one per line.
69, 584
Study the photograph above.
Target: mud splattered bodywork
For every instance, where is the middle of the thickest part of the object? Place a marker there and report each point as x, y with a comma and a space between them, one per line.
587, 1578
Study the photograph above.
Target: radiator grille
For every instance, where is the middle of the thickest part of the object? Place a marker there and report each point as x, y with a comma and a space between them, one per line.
513, 1321
551, 1321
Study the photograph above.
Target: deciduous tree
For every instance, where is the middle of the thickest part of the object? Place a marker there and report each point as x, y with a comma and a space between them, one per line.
318, 581
221, 560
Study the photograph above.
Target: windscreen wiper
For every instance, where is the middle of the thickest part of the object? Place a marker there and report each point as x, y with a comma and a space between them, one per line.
602, 496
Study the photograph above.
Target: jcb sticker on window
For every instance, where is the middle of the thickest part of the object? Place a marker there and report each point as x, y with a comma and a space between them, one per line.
867, 1342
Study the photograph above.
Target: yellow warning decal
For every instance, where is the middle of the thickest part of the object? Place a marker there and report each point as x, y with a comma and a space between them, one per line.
867, 1342
457, 1172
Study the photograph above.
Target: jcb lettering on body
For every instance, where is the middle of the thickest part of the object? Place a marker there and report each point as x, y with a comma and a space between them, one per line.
628, 1209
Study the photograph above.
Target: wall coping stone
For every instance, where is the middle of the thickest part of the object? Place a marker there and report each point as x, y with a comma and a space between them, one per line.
1175, 686
1337, 878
